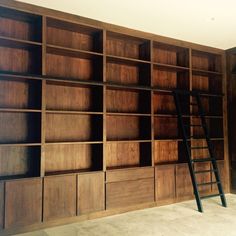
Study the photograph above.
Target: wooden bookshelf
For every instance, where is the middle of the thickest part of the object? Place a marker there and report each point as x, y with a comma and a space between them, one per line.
86, 109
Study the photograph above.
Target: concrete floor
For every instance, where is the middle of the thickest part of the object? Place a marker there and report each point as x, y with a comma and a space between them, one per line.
178, 220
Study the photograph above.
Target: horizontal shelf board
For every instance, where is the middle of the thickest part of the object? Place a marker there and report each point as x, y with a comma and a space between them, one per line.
170, 67
72, 52
66, 172
167, 139
126, 114
206, 72
69, 143
20, 144
127, 86
74, 112
15, 177
131, 167
165, 115
119, 59
205, 94
26, 42
19, 110
129, 141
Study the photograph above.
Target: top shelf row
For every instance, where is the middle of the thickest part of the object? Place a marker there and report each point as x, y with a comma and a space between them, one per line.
27, 28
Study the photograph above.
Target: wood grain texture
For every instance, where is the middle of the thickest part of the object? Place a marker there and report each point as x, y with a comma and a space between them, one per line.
90, 193
20, 94
71, 97
23, 202
165, 127
126, 193
163, 103
129, 175
19, 127
165, 151
19, 161
128, 127
66, 158
2, 204
59, 200
222, 172
120, 155
165, 182
184, 187
67, 127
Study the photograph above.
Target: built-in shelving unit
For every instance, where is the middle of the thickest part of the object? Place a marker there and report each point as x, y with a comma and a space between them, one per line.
87, 110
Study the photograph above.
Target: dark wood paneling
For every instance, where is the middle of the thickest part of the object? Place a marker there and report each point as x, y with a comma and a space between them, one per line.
165, 151
20, 94
131, 174
126, 193
184, 187
163, 103
71, 97
17, 161
59, 200
23, 202
66, 158
222, 172
165, 182
128, 127
68, 128
91, 193
19, 127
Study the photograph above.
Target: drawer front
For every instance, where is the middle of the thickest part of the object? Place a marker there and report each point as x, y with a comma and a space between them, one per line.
126, 193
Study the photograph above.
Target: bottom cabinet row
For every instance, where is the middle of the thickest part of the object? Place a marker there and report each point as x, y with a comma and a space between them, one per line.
36, 200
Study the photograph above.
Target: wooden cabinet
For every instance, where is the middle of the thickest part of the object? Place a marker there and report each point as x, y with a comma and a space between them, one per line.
59, 199
165, 182
23, 202
90, 193
129, 187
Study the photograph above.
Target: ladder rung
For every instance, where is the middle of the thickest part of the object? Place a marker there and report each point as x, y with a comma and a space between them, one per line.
198, 147
204, 171
202, 159
207, 183
210, 196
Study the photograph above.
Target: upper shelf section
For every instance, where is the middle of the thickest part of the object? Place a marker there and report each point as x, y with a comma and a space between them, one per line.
125, 46
74, 36
20, 25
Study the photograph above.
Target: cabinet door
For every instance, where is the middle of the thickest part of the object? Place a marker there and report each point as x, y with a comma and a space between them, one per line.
90, 196
59, 197
184, 188
165, 182
23, 202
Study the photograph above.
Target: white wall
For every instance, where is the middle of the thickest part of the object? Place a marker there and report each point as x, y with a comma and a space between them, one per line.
207, 22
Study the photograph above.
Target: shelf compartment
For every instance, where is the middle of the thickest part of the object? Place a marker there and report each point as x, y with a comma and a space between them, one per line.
20, 128
73, 158
20, 94
207, 83
218, 146
75, 36
128, 128
170, 78
127, 46
20, 25
73, 128
170, 55
166, 128
127, 155
71, 97
127, 72
20, 57
208, 62
19, 162
165, 152
128, 101
73, 64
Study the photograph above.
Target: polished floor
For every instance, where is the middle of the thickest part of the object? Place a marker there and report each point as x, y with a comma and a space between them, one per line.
178, 220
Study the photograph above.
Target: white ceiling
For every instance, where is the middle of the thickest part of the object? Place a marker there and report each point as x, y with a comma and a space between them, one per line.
207, 22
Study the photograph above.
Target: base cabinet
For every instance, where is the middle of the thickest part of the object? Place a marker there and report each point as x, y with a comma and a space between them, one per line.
90, 193
59, 199
23, 202
129, 187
